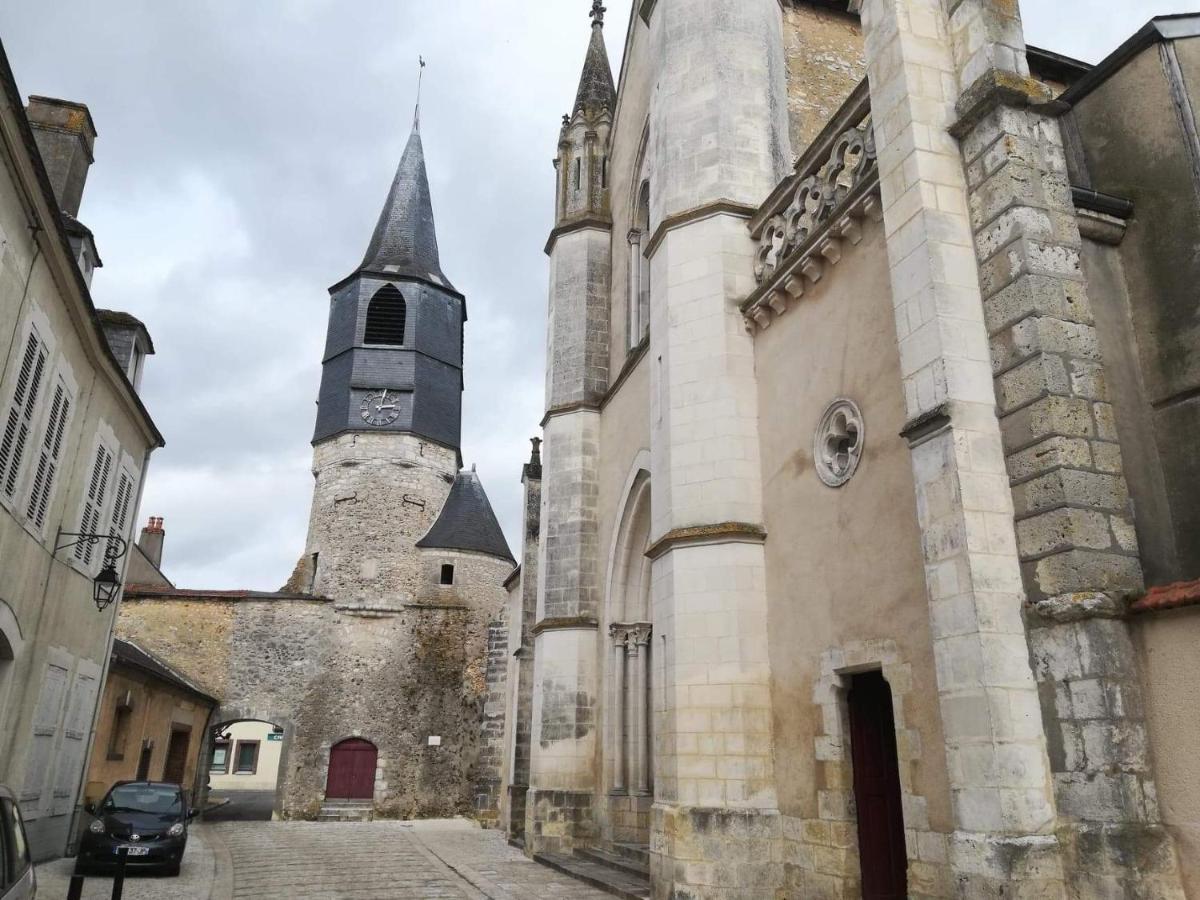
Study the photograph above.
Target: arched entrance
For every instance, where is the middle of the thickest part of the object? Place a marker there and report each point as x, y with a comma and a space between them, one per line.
351, 770
630, 673
245, 761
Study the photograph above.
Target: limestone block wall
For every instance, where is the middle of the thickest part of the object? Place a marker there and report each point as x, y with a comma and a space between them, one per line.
375, 496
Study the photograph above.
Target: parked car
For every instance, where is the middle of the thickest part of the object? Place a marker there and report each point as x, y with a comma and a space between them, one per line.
148, 818
17, 880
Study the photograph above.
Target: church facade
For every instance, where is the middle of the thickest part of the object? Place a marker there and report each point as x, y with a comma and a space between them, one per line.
371, 662
860, 558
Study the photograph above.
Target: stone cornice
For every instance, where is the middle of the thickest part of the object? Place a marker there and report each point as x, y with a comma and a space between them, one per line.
566, 623
564, 409
996, 88
719, 533
594, 223
697, 214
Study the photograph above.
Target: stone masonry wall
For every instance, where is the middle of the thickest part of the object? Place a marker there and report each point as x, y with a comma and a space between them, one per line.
825, 63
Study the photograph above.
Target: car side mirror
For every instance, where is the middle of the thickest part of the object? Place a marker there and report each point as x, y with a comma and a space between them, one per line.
193, 812
90, 808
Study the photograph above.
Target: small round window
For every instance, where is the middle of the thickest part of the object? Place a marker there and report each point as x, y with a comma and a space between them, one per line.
838, 444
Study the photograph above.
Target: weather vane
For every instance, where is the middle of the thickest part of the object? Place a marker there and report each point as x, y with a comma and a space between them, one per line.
420, 78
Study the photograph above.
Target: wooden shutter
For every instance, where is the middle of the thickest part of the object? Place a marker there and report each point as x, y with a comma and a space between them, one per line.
93, 503
19, 416
46, 718
120, 510
48, 459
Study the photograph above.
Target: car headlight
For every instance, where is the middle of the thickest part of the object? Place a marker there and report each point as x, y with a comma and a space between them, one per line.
97, 827
175, 830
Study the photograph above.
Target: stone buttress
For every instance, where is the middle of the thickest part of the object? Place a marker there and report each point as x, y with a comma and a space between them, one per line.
1009, 418
719, 143
565, 670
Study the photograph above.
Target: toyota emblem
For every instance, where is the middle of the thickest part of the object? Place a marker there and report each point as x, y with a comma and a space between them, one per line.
135, 837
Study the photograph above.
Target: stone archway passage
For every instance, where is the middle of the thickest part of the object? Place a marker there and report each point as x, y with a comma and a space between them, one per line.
351, 770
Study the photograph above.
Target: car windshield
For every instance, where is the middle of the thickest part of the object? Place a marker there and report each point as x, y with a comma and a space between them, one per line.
148, 798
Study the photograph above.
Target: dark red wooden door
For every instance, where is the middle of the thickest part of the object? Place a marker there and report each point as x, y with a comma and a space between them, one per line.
877, 789
351, 770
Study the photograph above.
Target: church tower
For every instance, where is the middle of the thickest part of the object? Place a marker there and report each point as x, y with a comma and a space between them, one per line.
405, 561
389, 414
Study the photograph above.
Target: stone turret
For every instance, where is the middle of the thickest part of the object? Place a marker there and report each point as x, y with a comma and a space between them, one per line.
558, 812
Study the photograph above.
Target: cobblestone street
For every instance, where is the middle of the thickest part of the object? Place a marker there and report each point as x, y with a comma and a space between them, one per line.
340, 861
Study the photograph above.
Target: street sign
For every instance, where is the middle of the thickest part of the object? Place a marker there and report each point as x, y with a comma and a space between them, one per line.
274, 737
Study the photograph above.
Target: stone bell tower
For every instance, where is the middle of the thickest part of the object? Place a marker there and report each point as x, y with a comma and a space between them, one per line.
386, 445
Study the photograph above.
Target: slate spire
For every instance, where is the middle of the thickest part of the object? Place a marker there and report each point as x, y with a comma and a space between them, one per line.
467, 521
596, 87
405, 240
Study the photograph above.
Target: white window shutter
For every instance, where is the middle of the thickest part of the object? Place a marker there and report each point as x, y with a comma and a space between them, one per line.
18, 419
48, 459
93, 503
120, 510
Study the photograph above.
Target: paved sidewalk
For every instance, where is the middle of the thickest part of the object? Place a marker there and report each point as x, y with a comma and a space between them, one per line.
384, 861
195, 879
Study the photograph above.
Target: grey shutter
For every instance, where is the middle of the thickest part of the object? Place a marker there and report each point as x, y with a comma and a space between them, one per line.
47, 465
93, 503
19, 419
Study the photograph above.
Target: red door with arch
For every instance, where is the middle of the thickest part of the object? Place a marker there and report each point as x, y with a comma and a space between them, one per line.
351, 770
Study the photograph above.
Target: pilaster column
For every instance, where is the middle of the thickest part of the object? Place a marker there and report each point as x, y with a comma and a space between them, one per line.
995, 745
620, 750
639, 636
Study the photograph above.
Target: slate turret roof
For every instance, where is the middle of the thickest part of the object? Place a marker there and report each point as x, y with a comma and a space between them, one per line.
405, 240
467, 522
596, 87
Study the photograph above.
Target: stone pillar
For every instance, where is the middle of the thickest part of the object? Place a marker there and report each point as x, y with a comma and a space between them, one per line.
1074, 523
995, 744
718, 145
640, 678
621, 753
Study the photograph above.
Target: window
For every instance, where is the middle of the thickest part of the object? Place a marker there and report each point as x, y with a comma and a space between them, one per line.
19, 416
120, 730
386, 315
119, 521
447, 574
639, 271
578, 172
246, 762
49, 455
12, 843
220, 759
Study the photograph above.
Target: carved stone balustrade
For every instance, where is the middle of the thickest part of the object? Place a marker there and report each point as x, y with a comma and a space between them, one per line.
802, 226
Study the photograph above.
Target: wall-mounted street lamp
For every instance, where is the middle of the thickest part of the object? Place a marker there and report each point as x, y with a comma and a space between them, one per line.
107, 583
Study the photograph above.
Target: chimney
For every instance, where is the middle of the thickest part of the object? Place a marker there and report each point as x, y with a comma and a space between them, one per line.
151, 541
65, 137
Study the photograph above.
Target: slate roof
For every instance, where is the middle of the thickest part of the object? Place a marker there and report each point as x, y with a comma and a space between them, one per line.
405, 240
596, 87
134, 656
467, 522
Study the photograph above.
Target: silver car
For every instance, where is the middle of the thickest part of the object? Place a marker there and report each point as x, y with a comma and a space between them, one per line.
17, 881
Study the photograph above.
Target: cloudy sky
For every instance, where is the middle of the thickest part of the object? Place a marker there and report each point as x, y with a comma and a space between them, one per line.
245, 149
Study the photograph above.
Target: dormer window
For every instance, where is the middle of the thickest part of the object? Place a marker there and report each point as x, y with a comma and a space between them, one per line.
386, 317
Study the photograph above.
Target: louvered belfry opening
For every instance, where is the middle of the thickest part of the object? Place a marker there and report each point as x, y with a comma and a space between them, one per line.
385, 317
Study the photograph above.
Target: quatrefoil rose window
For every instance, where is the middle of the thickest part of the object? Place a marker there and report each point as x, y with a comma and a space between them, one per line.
838, 444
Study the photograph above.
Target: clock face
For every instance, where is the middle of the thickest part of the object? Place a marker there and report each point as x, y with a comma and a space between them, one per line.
381, 408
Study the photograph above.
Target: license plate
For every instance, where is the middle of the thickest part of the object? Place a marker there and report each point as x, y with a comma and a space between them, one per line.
134, 851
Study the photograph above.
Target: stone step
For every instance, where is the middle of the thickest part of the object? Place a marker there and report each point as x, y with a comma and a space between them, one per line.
615, 861
335, 811
638, 853
617, 882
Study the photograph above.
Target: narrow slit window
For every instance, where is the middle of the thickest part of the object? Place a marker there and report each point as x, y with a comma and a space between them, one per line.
387, 314
447, 574
578, 171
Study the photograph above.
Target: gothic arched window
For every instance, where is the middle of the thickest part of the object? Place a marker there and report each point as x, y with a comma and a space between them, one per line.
385, 317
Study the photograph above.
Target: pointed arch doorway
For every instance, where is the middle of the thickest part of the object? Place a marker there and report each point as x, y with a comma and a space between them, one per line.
630, 732
351, 770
